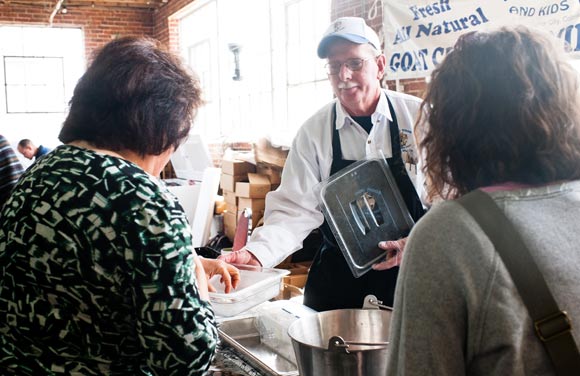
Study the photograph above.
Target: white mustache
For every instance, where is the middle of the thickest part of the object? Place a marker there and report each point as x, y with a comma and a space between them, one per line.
346, 85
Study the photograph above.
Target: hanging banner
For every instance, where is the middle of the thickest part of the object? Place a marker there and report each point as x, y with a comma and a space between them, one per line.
419, 33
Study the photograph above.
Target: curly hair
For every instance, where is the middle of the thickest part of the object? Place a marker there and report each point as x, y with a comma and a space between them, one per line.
502, 107
134, 96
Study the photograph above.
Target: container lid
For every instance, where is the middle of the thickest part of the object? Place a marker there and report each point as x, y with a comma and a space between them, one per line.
363, 206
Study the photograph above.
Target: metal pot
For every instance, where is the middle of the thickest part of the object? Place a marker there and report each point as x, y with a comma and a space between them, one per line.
343, 342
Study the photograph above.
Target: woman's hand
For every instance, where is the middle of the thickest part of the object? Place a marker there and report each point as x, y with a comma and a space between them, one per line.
202, 283
230, 275
394, 255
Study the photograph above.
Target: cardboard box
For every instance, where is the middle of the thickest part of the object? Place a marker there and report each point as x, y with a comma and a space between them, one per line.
230, 233
256, 216
298, 280
231, 208
256, 204
264, 151
256, 187
230, 198
295, 267
236, 167
274, 172
230, 222
289, 291
228, 182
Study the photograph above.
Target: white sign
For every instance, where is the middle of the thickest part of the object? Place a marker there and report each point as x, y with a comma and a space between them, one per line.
419, 33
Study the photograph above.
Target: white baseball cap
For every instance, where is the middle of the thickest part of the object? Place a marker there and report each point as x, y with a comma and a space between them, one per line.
353, 29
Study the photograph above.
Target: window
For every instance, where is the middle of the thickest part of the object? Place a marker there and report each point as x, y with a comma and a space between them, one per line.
257, 64
34, 84
307, 83
39, 68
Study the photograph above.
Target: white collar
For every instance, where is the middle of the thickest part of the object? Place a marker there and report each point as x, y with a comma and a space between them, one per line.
382, 110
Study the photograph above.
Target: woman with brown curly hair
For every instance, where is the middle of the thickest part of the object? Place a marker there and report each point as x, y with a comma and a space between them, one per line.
503, 116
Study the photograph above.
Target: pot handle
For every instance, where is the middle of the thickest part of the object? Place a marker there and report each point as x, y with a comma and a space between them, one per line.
371, 302
338, 344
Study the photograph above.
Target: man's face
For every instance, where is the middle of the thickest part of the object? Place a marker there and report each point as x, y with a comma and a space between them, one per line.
357, 90
26, 151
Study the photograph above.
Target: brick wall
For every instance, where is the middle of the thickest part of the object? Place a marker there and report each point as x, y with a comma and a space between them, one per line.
99, 25
166, 29
413, 86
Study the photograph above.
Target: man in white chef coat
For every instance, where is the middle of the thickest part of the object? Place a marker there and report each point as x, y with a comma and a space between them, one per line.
363, 122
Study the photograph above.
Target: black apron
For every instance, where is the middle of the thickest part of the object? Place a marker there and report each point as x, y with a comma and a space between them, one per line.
330, 283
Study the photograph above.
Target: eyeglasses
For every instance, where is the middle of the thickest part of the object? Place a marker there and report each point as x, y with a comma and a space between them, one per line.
353, 65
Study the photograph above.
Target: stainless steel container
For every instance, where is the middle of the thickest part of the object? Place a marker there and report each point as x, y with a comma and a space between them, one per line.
344, 342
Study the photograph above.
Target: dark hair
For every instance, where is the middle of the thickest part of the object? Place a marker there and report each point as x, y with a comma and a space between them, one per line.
24, 142
134, 96
503, 106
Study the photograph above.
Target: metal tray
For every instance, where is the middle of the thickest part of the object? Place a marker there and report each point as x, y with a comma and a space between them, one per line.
243, 335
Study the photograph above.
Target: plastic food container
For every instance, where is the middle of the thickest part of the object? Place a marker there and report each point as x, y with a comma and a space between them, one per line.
273, 320
363, 206
257, 285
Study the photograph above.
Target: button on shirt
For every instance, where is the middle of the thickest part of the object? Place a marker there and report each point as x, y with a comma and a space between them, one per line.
292, 211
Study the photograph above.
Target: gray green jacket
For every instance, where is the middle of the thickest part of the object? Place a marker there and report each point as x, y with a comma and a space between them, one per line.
457, 311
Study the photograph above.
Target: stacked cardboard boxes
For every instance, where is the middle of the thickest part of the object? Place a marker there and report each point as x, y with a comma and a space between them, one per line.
233, 171
245, 185
270, 161
242, 188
